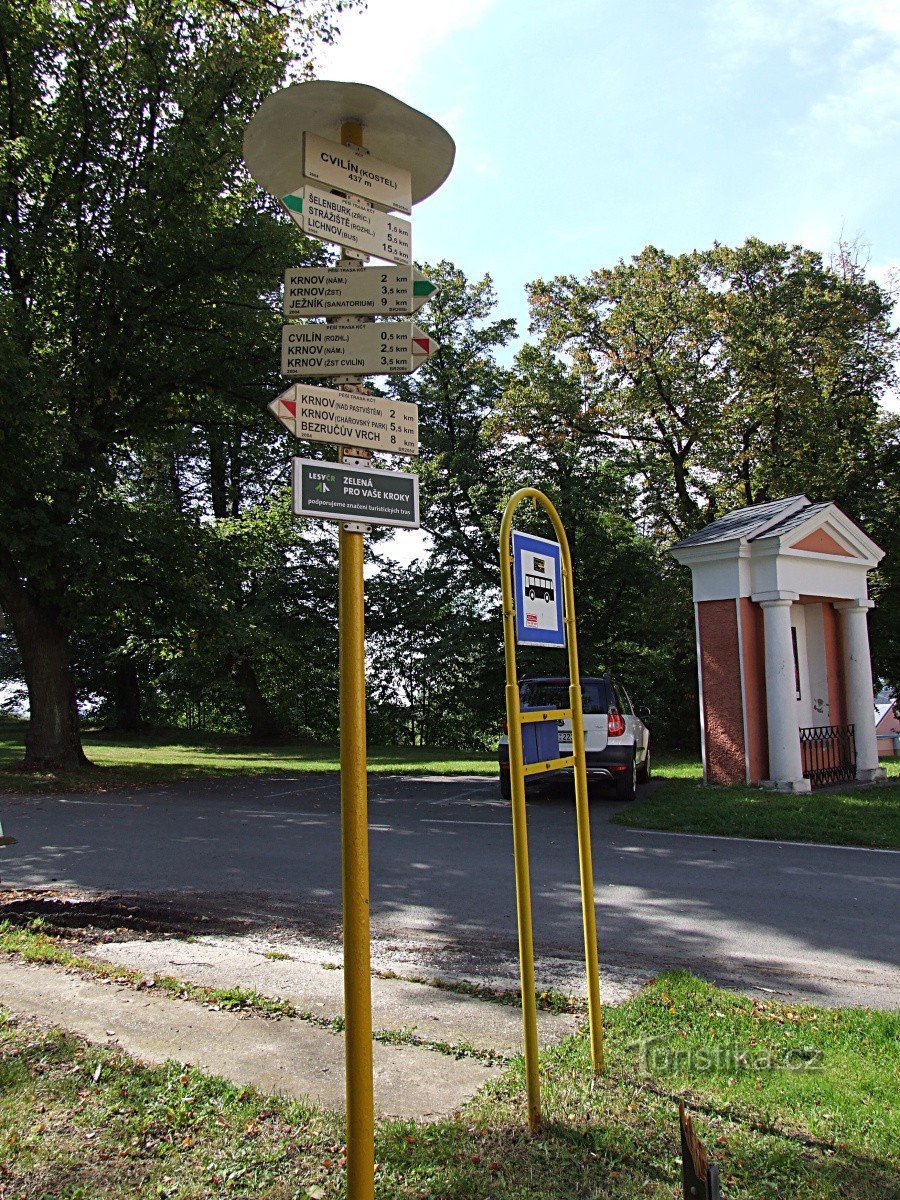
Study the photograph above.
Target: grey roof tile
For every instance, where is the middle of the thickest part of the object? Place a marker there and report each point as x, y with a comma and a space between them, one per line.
792, 521
743, 522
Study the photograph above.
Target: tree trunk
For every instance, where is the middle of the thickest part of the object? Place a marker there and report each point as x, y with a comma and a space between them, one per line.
235, 474
53, 740
218, 479
127, 695
263, 725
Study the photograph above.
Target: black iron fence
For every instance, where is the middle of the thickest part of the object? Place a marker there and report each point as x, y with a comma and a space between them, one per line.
828, 753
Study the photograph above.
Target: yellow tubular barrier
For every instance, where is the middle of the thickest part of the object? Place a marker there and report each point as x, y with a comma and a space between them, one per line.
549, 764
517, 772
545, 714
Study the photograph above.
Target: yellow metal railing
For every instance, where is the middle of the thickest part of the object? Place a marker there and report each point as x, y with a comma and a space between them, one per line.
545, 714
517, 773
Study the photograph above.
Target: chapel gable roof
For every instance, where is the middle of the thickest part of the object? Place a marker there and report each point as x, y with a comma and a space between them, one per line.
742, 524
793, 524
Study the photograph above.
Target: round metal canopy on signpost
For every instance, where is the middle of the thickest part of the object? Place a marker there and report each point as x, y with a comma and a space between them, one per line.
393, 131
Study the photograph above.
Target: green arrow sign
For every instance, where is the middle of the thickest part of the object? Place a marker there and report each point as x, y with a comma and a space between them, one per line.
355, 291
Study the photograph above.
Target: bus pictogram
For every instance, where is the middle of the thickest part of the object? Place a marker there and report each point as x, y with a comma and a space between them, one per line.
539, 586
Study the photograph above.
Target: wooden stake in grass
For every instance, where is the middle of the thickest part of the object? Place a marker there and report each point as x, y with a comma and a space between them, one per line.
699, 1176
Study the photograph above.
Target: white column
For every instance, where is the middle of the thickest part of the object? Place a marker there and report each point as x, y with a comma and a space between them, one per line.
858, 681
785, 763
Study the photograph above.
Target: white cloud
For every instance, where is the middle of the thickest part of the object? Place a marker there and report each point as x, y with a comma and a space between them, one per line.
386, 43
741, 27
866, 108
849, 48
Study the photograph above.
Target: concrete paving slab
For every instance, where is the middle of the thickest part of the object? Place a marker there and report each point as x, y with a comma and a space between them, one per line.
289, 1057
314, 981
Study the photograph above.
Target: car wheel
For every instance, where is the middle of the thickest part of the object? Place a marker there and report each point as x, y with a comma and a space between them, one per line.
626, 783
643, 773
505, 786
547, 597
531, 593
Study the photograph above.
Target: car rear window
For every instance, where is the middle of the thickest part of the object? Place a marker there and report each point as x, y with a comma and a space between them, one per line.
538, 693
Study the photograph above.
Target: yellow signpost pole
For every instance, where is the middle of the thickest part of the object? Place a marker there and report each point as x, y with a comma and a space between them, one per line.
355, 872
355, 844
520, 835
517, 772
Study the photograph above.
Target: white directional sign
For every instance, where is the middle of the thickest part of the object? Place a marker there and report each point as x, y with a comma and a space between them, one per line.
321, 414
350, 222
354, 170
376, 348
355, 291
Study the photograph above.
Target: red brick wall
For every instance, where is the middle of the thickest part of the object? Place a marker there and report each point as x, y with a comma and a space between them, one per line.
834, 665
755, 689
721, 676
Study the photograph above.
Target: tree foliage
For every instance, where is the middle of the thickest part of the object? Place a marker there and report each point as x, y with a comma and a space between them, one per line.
462, 472
136, 280
730, 376
148, 560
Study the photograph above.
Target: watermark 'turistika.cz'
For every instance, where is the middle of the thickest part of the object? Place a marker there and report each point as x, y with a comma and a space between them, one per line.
659, 1057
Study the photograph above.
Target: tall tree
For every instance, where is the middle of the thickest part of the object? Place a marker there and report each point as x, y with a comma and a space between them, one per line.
731, 375
436, 665
632, 605
734, 375
128, 234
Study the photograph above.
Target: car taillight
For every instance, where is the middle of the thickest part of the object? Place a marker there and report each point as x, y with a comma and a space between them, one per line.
615, 724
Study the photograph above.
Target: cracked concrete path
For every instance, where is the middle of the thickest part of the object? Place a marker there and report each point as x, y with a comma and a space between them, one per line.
313, 980
289, 1057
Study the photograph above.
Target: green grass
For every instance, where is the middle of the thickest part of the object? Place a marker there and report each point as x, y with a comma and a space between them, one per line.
170, 755
851, 816
82, 1121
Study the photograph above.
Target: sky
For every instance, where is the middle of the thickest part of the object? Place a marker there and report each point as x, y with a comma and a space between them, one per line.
587, 129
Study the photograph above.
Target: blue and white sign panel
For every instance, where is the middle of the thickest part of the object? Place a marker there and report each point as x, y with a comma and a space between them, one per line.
537, 580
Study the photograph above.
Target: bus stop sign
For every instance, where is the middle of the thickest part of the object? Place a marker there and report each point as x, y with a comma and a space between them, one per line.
537, 576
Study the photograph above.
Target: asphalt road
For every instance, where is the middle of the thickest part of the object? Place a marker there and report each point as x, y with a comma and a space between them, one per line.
812, 922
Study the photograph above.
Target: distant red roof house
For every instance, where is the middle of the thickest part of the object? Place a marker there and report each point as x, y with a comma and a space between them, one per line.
887, 729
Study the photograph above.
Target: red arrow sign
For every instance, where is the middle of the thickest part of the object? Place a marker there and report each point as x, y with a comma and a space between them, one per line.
319, 414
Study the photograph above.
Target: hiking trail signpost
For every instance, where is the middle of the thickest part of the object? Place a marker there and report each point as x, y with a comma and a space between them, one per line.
359, 226
342, 158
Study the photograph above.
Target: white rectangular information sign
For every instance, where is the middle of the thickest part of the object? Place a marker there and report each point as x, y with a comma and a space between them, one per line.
350, 222
352, 169
321, 414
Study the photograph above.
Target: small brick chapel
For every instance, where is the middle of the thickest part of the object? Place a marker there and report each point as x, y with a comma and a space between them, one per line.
781, 608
